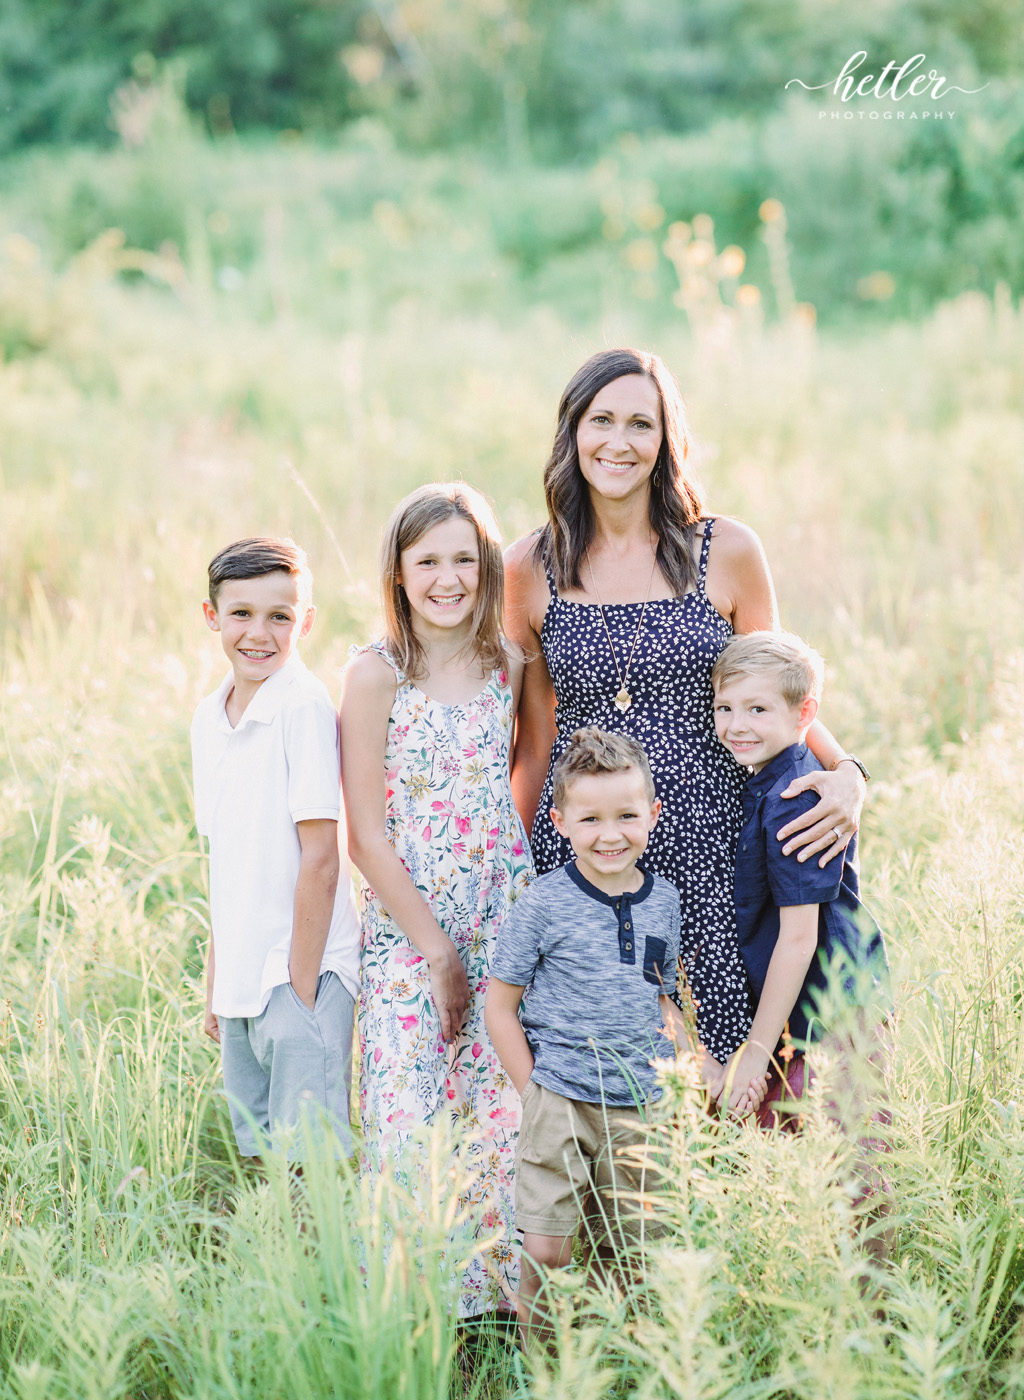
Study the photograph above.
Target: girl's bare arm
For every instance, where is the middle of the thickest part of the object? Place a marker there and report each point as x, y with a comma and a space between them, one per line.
367, 697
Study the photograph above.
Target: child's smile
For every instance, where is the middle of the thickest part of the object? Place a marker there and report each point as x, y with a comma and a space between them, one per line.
607, 818
259, 621
754, 721
440, 575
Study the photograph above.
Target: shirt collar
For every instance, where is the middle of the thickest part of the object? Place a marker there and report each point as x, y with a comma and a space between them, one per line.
612, 900
758, 783
264, 705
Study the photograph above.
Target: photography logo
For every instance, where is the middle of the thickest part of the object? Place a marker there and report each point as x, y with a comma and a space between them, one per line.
894, 84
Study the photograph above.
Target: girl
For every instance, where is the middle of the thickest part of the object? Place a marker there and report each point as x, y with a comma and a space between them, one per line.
426, 727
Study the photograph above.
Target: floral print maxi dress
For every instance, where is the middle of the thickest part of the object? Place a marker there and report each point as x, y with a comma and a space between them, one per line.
449, 815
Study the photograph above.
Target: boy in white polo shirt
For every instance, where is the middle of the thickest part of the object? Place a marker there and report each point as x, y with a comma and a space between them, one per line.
283, 970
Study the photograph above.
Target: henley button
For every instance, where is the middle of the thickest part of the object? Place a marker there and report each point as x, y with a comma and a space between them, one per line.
627, 925
629, 947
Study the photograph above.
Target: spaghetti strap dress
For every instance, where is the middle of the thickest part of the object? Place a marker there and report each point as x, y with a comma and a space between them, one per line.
698, 781
449, 815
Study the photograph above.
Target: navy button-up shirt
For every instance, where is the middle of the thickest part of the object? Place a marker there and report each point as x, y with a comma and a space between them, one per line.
767, 881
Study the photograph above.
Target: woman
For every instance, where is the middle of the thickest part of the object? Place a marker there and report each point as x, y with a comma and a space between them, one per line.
622, 602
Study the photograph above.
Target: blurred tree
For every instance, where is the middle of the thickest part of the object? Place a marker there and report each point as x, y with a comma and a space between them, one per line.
270, 63
558, 77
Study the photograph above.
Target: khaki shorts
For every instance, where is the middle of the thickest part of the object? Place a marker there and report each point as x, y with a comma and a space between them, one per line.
576, 1160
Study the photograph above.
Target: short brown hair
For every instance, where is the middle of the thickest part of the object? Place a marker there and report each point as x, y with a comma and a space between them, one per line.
594, 750
797, 667
262, 554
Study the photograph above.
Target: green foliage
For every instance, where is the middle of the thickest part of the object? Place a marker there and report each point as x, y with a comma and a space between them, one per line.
563, 78
248, 63
883, 216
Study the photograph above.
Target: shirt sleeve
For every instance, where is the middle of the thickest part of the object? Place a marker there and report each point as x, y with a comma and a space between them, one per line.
792, 881
519, 939
314, 761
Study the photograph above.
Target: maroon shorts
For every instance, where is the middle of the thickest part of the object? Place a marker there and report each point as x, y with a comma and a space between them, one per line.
855, 1102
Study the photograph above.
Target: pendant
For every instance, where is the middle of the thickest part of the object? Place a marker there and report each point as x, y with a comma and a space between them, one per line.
623, 700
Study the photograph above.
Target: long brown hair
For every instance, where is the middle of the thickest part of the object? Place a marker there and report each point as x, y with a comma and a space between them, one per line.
410, 520
675, 501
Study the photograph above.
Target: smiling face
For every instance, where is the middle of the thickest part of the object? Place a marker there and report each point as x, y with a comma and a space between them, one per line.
755, 722
619, 437
259, 620
440, 573
607, 818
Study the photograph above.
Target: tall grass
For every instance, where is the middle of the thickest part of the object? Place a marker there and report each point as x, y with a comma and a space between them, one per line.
142, 429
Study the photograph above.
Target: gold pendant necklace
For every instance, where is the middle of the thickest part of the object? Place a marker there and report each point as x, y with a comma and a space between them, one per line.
622, 698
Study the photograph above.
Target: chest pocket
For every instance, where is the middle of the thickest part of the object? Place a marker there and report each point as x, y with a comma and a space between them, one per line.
654, 965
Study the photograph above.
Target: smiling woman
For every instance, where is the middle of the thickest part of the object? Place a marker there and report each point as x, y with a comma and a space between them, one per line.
622, 603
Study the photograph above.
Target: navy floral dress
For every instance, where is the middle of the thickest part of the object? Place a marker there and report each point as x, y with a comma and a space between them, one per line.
699, 783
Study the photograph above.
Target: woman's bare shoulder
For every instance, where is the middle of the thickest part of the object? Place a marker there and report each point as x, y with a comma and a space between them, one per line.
738, 542
523, 558
526, 591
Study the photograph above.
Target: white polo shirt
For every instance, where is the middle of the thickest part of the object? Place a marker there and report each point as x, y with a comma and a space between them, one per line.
280, 765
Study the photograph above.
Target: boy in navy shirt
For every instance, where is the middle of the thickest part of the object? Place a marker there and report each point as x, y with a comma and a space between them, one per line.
814, 955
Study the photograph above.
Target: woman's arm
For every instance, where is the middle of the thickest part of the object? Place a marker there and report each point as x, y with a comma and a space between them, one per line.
525, 601
828, 826
367, 697
739, 585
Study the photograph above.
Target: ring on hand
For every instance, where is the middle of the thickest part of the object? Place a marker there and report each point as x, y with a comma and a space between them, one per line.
837, 833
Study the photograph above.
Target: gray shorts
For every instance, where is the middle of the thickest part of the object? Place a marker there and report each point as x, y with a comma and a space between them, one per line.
289, 1063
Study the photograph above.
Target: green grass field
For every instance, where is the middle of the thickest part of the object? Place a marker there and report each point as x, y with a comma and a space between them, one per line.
146, 418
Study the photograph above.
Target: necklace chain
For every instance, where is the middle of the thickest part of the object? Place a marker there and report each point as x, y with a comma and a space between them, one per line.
623, 699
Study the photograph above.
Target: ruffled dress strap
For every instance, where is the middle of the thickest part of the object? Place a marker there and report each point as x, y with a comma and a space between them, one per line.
705, 549
380, 648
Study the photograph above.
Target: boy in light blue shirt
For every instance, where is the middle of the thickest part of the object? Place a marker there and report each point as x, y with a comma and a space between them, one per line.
597, 944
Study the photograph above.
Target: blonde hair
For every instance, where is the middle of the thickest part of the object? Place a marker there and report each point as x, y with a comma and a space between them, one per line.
594, 750
419, 512
797, 667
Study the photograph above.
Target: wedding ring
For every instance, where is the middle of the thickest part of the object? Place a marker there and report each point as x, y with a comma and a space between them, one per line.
837, 833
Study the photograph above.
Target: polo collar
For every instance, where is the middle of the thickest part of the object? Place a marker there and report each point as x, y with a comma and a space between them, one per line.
265, 704
612, 900
759, 783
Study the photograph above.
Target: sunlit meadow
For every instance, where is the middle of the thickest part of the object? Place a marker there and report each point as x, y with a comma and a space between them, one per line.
153, 407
